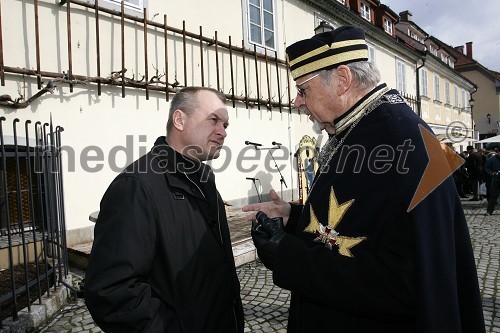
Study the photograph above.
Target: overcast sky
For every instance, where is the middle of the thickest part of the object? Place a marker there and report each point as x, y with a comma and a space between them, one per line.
456, 22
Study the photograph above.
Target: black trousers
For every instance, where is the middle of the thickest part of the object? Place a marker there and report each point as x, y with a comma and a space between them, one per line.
494, 193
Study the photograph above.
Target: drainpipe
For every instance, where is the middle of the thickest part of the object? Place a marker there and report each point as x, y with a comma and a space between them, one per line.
473, 136
419, 102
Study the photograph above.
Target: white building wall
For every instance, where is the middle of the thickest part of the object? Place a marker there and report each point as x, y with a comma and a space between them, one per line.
385, 61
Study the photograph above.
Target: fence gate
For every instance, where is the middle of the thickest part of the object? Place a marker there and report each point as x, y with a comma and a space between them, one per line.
33, 251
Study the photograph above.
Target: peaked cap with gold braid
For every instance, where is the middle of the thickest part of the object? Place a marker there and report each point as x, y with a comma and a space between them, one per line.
327, 50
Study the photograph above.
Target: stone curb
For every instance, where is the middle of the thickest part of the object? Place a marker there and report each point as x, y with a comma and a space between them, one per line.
29, 321
244, 251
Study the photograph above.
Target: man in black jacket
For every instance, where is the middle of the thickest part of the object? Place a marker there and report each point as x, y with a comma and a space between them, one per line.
492, 168
381, 244
162, 259
474, 164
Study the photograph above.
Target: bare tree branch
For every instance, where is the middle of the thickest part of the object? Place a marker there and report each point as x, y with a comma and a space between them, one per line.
20, 103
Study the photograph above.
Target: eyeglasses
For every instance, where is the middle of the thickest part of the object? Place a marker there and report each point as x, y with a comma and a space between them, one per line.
302, 92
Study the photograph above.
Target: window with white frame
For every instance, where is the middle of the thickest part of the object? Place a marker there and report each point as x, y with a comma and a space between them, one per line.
365, 11
318, 18
401, 76
447, 92
388, 25
136, 5
261, 28
455, 94
463, 98
423, 82
437, 95
132, 7
371, 53
433, 50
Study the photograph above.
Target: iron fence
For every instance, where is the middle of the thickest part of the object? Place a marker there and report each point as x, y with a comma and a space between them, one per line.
412, 101
265, 82
33, 234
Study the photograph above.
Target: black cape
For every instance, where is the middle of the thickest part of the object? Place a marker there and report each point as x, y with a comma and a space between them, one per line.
388, 269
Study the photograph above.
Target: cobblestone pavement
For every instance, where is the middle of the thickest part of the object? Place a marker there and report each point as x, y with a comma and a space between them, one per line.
485, 237
266, 305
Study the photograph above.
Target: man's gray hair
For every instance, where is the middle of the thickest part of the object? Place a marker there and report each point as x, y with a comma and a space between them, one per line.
365, 73
186, 100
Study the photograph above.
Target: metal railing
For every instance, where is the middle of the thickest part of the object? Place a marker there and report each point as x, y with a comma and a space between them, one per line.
412, 101
33, 237
265, 80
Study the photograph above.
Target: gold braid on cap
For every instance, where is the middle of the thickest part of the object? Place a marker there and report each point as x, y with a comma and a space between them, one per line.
310, 54
345, 43
329, 61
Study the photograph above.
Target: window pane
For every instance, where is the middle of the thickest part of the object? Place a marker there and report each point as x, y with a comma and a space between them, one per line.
404, 77
135, 3
254, 15
255, 34
424, 82
268, 21
269, 36
401, 77
268, 5
255, 2
371, 54
365, 11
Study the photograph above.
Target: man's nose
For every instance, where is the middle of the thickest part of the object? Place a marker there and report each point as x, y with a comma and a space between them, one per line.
299, 101
221, 130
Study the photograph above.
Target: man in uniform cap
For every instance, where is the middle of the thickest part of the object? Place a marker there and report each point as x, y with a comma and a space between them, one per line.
381, 244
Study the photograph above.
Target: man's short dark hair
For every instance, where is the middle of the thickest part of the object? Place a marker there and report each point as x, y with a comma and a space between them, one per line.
185, 100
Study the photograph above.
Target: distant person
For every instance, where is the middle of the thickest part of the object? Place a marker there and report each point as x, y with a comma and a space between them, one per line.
162, 259
474, 164
358, 256
460, 177
492, 168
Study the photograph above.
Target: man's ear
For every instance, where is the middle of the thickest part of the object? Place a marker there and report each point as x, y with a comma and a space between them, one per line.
178, 119
344, 79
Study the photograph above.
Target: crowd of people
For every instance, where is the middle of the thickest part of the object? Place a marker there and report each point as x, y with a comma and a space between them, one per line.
479, 176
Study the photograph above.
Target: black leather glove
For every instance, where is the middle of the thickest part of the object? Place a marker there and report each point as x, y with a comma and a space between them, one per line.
267, 233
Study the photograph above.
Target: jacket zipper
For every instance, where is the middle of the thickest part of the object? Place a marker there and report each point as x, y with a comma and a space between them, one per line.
218, 217
185, 174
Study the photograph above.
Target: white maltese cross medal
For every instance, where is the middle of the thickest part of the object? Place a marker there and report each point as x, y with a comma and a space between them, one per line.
327, 234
